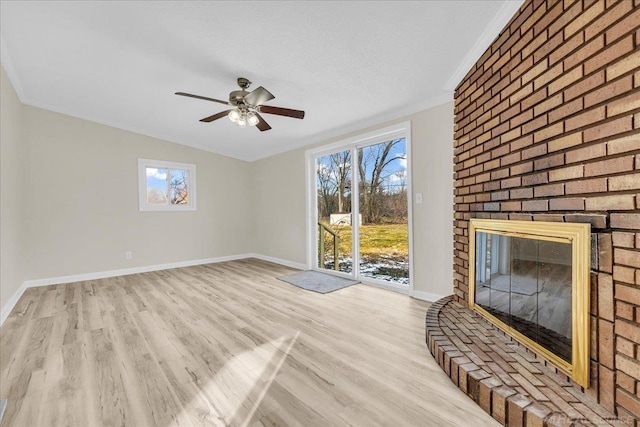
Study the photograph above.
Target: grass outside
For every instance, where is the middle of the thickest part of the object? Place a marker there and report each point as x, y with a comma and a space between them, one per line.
391, 240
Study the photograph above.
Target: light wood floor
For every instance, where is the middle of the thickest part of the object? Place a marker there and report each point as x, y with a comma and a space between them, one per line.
222, 344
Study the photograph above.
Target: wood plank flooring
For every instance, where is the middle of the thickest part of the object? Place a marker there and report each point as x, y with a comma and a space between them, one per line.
222, 345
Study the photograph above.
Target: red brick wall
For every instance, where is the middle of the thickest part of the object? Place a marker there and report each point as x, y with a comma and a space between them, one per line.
547, 127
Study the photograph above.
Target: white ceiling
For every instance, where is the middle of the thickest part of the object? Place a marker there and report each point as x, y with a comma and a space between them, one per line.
347, 64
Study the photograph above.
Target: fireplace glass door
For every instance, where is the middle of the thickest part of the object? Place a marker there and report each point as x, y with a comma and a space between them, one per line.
526, 283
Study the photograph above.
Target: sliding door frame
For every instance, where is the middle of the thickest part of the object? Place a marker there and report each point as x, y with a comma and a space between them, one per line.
399, 130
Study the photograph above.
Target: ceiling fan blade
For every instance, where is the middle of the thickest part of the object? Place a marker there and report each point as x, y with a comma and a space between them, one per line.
262, 125
215, 116
203, 97
258, 97
297, 114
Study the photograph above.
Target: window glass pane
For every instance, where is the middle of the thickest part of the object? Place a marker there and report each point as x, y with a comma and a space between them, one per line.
178, 187
554, 297
384, 214
483, 278
524, 285
156, 186
493, 283
333, 185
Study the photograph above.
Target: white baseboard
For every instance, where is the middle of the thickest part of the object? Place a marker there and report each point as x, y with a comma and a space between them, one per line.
127, 271
8, 306
280, 261
426, 296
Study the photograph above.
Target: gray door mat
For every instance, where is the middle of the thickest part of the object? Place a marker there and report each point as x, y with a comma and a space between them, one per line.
317, 282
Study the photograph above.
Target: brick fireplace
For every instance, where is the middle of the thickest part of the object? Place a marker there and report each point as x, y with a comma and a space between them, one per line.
547, 128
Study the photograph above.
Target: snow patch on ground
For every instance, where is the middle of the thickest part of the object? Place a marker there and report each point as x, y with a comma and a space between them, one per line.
384, 267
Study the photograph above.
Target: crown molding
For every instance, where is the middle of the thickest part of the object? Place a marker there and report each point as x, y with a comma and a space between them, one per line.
495, 27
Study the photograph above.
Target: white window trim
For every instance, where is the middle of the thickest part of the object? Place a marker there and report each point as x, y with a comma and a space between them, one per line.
143, 164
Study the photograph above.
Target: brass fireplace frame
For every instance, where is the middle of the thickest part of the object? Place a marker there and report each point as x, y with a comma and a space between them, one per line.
578, 235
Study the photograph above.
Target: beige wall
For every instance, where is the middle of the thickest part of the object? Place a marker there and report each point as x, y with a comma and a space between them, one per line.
279, 195
12, 245
432, 175
70, 200
81, 199
279, 222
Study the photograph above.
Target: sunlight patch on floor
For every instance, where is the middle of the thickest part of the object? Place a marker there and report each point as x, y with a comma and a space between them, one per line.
239, 387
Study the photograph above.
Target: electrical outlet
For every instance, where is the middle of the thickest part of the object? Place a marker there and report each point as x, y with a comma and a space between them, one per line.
128, 255
418, 198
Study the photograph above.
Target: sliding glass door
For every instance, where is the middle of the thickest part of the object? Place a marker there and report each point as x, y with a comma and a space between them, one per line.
361, 212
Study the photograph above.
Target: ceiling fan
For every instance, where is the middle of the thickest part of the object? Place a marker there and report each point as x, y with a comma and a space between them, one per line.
247, 106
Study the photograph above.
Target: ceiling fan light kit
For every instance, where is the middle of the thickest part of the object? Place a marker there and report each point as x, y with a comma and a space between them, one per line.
247, 106
243, 117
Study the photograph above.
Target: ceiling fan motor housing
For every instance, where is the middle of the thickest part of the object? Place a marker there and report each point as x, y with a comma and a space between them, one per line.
237, 97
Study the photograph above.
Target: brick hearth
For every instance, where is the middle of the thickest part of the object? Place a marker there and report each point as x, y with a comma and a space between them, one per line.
509, 382
547, 127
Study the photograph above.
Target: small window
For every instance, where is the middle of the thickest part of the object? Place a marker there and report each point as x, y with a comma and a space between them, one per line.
166, 186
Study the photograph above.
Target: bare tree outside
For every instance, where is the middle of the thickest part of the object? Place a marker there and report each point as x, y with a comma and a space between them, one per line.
178, 191
374, 172
326, 189
156, 196
341, 164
